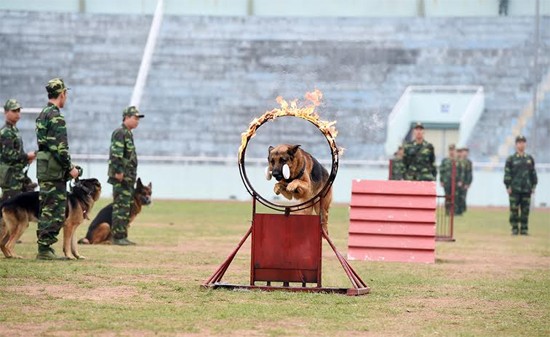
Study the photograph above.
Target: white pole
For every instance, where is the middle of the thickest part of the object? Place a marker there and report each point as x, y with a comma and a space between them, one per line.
147, 55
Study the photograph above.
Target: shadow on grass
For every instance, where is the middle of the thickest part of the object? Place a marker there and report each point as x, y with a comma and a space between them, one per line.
450, 261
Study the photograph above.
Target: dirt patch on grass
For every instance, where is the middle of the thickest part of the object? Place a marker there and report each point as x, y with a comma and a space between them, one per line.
73, 292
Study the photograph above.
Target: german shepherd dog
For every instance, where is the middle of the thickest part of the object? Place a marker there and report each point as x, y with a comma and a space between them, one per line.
99, 230
18, 211
300, 176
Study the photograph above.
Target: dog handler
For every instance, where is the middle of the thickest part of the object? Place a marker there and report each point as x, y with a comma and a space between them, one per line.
122, 174
13, 158
53, 169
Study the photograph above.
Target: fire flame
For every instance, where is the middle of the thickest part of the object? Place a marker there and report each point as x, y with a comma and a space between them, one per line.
295, 108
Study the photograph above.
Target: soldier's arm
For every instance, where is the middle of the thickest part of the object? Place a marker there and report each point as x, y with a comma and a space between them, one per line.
442, 171
534, 178
117, 151
409, 156
11, 154
57, 141
508, 173
432, 160
470, 172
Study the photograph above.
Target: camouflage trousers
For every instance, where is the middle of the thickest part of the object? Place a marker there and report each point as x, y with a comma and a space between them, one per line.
53, 204
460, 200
123, 193
519, 209
448, 199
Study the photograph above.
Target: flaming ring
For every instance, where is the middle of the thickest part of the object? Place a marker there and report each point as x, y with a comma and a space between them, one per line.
307, 113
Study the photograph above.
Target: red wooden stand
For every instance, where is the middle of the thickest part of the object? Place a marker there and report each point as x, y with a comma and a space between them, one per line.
287, 248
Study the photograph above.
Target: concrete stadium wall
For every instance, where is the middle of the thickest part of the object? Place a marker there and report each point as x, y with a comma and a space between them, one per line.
211, 76
203, 181
287, 8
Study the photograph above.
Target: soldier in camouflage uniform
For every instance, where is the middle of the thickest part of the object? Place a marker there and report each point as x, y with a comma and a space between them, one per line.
397, 167
419, 157
520, 179
52, 174
13, 158
467, 178
446, 178
123, 173
459, 195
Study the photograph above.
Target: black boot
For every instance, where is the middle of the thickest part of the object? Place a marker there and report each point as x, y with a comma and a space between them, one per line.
47, 253
122, 241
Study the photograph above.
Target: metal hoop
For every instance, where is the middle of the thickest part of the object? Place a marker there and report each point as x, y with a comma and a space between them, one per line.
292, 208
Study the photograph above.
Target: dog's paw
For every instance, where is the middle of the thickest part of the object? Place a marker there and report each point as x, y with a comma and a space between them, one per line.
293, 187
81, 257
278, 188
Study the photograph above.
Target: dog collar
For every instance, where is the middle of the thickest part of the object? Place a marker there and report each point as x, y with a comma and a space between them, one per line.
300, 174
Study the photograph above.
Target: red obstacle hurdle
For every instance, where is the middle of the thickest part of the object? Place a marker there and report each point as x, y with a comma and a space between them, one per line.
287, 248
392, 221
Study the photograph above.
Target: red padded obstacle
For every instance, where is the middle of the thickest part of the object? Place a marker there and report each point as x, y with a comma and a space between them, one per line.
287, 249
392, 220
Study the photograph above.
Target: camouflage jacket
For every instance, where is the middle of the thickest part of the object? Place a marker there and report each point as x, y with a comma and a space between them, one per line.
51, 135
419, 161
122, 156
397, 169
520, 174
446, 171
12, 152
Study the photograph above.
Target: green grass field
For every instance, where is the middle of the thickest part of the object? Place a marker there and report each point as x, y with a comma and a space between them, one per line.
487, 283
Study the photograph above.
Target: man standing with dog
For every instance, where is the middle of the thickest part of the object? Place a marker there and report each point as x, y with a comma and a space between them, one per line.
13, 158
122, 174
53, 169
419, 158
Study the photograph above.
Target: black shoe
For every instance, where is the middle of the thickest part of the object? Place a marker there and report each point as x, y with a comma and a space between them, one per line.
515, 231
123, 242
47, 253
524, 232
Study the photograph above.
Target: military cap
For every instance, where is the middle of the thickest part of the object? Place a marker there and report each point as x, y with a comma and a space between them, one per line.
56, 86
131, 111
452, 147
521, 138
12, 104
419, 125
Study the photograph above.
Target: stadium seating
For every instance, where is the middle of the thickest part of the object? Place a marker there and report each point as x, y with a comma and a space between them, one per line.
211, 76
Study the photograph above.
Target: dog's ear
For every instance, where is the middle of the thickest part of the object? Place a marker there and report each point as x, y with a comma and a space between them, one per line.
139, 184
269, 150
293, 149
150, 186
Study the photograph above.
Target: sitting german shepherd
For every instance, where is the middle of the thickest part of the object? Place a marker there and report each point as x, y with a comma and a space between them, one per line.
300, 176
18, 211
99, 230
